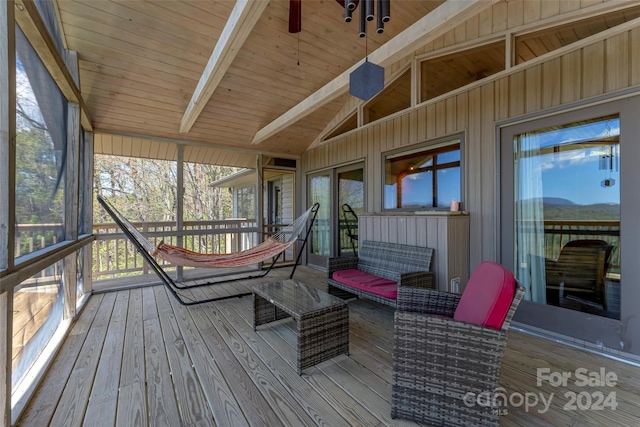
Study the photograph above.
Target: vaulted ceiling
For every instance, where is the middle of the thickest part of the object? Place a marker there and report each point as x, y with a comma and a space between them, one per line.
141, 61
228, 75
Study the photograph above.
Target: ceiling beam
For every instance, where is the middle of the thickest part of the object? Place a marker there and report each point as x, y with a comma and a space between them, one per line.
243, 17
32, 25
442, 19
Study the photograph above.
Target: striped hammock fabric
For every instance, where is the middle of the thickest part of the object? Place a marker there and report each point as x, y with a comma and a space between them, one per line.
274, 245
181, 256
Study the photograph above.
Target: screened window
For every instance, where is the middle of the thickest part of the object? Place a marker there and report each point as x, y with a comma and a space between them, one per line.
85, 180
41, 138
142, 189
47, 11
246, 202
37, 313
80, 277
202, 200
423, 178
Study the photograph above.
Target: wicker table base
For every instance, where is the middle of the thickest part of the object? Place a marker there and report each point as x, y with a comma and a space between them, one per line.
322, 320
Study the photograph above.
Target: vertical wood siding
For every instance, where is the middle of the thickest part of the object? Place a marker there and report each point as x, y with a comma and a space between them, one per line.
448, 235
506, 16
598, 68
127, 146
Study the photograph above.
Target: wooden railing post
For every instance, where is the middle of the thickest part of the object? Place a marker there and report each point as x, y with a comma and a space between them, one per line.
7, 197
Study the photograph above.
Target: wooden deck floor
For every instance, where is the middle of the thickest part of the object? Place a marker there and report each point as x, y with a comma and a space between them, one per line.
137, 357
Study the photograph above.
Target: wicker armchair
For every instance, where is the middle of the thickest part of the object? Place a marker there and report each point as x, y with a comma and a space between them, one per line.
441, 364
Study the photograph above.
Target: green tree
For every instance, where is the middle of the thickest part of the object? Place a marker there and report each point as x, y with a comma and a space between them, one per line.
38, 199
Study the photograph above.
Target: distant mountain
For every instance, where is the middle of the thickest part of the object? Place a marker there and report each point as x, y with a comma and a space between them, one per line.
557, 201
557, 208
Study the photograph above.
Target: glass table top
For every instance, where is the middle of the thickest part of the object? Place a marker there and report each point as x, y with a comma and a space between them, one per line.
296, 296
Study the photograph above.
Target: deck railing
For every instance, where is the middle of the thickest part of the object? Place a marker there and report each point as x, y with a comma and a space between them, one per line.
559, 233
115, 256
33, 237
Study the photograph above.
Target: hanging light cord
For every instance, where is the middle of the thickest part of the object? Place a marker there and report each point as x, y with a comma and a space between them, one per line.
366, 47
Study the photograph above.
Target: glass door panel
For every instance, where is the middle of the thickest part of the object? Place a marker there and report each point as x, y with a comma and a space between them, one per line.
350, 205
320, 238
278, 205
567, 215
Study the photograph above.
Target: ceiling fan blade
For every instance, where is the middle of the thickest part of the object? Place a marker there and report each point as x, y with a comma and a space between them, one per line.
295, 16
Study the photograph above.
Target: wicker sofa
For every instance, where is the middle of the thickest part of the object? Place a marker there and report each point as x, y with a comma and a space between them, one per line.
448, 349
379, 270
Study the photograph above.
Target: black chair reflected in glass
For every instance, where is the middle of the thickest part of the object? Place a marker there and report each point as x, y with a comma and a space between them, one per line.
579, 271
351, 224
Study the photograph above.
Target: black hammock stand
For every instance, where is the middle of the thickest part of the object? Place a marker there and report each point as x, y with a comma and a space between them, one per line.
171, 285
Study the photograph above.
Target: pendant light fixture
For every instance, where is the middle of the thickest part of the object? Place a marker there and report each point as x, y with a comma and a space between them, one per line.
368, 79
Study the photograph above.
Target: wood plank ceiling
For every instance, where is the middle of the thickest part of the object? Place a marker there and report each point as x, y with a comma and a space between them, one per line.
140, 62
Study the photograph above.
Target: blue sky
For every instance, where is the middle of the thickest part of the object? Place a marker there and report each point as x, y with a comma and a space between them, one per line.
580, 182
576, 175
417, 189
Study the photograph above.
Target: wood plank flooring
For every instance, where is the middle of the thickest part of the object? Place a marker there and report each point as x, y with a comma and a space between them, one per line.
136, 357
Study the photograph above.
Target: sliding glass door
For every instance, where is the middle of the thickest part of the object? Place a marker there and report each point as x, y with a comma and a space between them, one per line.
340, 192
319, 191
567, 189
567, 214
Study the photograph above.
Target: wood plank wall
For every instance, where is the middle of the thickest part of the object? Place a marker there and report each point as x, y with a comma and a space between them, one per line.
506, 16
447, 234
129, 146
288, 198
598, 68
498, 21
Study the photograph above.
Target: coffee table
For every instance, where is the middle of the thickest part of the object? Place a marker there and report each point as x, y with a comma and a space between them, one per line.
322, 320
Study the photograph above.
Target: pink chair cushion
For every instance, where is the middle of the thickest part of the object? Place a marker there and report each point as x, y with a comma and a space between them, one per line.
487, 297
367, 282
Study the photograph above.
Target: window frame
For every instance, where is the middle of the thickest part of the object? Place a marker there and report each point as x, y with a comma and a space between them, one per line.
434, 145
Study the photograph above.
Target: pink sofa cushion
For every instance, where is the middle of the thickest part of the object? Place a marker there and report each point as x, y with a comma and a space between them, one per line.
367, 282
487, 297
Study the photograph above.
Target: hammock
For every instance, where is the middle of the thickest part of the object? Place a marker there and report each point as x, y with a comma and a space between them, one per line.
273, 247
